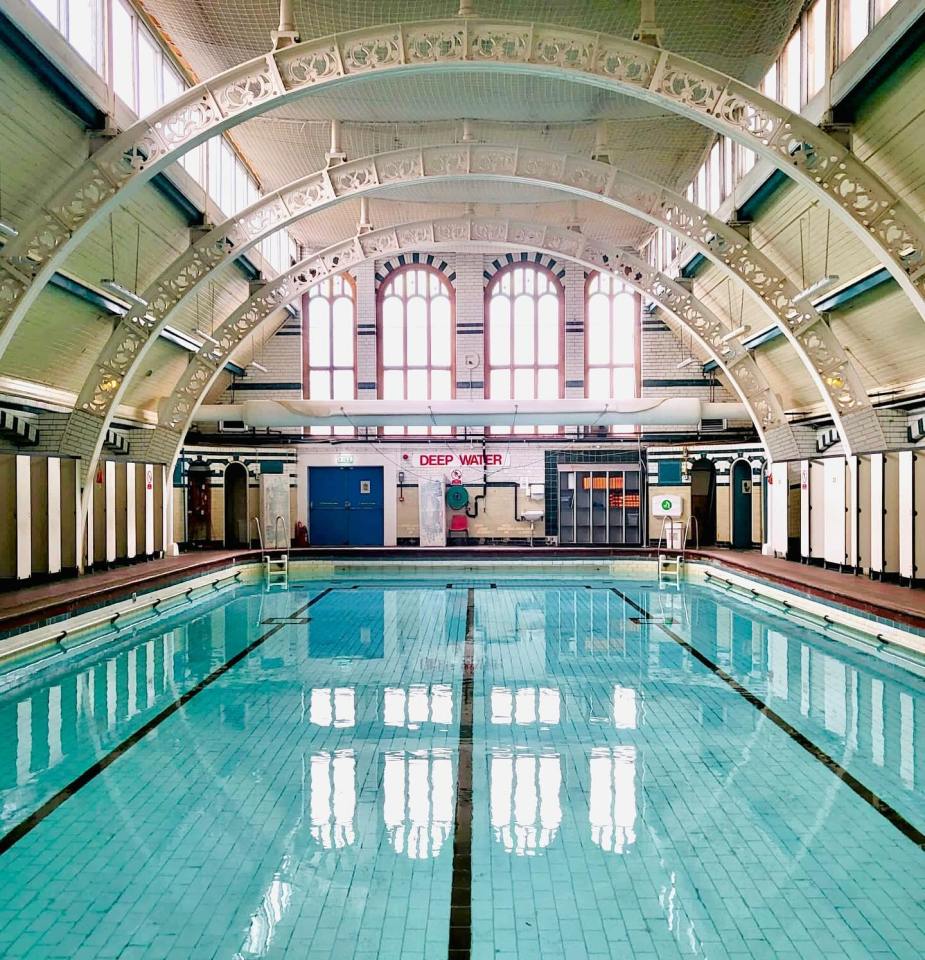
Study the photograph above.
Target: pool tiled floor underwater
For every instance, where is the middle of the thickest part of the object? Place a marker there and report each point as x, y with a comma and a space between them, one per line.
310, 800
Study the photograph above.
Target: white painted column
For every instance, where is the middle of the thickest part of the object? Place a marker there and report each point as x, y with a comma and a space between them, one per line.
852, 511
130, 495
906, 514
88, 530
110, 509
23, 517
55, 506
149, 509
166, 519
804, 509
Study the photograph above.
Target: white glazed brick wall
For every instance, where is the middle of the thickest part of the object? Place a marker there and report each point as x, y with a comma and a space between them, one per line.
470, 325
574, 283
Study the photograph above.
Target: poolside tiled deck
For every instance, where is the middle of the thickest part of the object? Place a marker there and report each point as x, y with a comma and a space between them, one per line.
32, 604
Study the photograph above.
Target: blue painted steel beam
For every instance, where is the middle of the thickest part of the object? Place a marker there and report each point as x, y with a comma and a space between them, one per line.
101, 302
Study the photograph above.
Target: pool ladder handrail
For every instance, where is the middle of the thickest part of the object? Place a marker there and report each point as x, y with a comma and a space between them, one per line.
670, 564
276, 568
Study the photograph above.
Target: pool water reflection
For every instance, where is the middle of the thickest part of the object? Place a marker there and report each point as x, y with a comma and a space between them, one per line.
626, 801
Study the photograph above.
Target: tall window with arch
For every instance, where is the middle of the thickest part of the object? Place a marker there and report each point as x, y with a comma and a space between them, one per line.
611, 338
525, 306
416, 334
329, 344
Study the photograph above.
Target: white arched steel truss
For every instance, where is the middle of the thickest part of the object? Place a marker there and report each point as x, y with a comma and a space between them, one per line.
811, 157
823, 356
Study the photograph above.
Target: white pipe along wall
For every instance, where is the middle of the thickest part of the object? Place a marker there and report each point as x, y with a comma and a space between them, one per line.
668, 411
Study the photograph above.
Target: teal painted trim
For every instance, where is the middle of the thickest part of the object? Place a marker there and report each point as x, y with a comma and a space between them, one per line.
247, 267
752, 206
171, 192
854, 290
905, 51
828, 304
48, 73
682, 382
107, 305
87, 294
691, 268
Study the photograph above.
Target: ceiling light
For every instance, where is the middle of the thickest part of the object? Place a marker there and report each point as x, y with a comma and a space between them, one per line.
8, 230
124, 292
686, 362
257, 366
820, 286
732, 334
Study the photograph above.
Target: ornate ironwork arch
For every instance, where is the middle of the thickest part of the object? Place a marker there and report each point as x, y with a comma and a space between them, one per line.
823, 356
812, 158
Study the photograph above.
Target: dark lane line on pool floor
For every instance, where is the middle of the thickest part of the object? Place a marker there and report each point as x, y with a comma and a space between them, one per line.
26, 826
460, 947
885, 810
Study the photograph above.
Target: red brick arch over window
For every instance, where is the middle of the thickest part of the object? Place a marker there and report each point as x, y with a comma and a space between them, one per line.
524, 336
416, 338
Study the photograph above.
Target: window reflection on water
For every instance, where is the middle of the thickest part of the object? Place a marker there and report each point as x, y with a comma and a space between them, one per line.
417, 801
526, 811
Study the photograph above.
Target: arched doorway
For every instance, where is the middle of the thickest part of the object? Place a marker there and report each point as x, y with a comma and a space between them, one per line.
236, 505
741, 484
198, 504
703, 500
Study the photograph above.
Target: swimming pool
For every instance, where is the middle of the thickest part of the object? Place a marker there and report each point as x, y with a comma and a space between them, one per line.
498, 769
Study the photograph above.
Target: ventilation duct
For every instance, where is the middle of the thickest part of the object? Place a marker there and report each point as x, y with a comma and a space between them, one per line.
670, 411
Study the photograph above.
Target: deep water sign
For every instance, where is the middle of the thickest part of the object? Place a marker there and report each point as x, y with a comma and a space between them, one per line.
451, 459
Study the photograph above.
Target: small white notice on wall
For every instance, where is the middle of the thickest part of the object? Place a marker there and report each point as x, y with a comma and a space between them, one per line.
666, 505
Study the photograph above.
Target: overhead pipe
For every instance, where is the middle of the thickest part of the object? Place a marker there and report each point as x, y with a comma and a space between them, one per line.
667, 411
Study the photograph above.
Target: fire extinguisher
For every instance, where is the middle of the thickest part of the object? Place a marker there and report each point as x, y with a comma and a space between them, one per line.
301, 534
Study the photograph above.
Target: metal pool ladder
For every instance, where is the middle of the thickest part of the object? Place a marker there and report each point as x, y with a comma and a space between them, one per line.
671, 563
275, 568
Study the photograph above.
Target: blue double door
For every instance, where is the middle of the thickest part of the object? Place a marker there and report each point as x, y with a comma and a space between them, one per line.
345, 506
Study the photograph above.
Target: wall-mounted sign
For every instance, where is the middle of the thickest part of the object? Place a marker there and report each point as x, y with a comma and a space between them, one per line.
344, 460
667, 505
448, 458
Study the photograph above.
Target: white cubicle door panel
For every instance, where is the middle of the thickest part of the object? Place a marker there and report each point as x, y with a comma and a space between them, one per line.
877, 467
891, 513
777, 508
906, 502
56, 508
23, 517
833, 510
817, 498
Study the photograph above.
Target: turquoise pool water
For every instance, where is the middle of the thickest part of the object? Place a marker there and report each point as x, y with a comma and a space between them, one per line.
506, 770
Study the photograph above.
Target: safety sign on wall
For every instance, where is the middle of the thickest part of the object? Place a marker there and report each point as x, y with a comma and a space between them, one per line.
666, 505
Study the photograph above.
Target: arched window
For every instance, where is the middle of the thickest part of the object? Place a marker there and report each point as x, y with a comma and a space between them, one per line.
329, 338
611, 338
525, 329
416, 333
